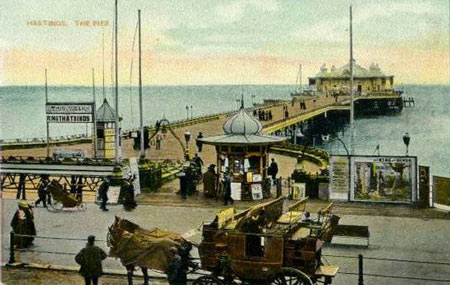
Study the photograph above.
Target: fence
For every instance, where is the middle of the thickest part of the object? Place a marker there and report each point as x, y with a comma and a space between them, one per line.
360, 273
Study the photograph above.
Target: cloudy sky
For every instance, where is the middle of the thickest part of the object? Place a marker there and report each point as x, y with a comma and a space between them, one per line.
223, 42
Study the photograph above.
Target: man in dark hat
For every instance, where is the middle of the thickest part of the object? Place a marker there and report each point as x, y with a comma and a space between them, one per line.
199, 143
209, 182
103, 193
227, 187
90, 258
176, 272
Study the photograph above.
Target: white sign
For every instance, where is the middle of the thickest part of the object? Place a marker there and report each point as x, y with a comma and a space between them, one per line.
236, 191
113, 194
71, 118
257, 193
339, 178
69, 108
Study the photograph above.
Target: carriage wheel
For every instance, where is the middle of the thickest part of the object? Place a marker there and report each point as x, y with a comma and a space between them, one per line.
207, 280
56, 206
291, 276
82, 206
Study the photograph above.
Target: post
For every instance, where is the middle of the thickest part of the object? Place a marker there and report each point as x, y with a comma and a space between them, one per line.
117, 137
46, 102
103, 57
12, 258
94, 116
142, 150
360, 270
352, 110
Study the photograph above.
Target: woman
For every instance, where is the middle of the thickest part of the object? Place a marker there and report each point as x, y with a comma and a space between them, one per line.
23, 224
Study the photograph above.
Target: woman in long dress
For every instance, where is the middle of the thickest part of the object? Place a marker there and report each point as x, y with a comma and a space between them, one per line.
23, 224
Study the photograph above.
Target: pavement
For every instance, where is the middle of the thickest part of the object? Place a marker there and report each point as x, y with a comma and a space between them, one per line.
410, 235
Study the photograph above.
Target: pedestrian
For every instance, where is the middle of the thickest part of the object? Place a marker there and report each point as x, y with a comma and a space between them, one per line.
42, 192
199, 143
227, 188
209, 182
90, 258
286, 114
273, 171
129, 202
158, 142
103, 193
270, 115
176, 272
198, 162
79, 190
21, 187
23, 224
73, 184
183, 183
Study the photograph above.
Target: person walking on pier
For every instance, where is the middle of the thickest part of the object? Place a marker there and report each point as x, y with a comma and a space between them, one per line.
199, 143
21, 187
273, 171
42, 192
103, 194
158, 142
209, 182
23, 224
227, 188
90, 258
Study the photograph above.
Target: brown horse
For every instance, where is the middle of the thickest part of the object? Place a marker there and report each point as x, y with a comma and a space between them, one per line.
135, 246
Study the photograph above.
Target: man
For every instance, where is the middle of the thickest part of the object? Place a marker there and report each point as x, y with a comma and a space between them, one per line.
90, 258
227, 188
176, 272
273, 171
42, 192
21, 187
158, 142
199, 143
103, 194
23, 224
209, 182
198, 162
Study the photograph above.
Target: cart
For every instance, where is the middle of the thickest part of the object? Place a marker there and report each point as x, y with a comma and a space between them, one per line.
264, 246
62, 199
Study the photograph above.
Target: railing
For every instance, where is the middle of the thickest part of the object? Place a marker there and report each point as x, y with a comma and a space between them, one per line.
361, 272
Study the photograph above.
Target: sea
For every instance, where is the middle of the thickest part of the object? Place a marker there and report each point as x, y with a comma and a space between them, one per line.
22, 115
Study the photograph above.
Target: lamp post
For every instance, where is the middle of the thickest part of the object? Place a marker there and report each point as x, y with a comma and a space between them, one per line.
187, 112
187, 137
406, 140
253, 99
192, 114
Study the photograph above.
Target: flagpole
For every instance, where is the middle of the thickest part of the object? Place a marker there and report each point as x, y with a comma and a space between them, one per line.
352, 109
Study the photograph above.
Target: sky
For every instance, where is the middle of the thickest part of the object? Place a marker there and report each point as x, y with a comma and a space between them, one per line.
192, 42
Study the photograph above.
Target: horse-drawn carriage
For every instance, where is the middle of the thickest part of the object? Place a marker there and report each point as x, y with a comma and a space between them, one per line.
258, 246
63, 199
263, 246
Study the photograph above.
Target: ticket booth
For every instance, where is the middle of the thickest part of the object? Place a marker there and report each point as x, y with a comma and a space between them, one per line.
106, 127
244, 150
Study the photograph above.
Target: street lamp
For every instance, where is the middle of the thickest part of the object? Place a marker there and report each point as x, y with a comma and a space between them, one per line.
192, 114
187, 137
406, 140
187, 112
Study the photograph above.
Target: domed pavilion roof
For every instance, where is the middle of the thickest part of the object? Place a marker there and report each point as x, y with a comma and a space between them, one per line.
242, 124
106, 113
242, 129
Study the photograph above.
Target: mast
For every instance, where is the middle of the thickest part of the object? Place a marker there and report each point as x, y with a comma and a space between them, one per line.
300, 79
46, 102
103, 56
142, 150
116, 157
352, 110
94, 119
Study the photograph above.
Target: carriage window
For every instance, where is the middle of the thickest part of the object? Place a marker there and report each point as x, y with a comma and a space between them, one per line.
254, 246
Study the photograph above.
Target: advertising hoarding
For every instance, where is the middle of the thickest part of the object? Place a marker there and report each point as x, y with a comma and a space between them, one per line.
339, 177
383, 179
70, 112
441, 192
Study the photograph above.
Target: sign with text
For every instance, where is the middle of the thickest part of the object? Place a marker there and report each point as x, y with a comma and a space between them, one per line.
70, 112
384, 178
339, 186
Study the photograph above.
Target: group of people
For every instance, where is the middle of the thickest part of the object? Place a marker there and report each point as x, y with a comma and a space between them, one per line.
302, 104
285, 112
126, 193
263, 115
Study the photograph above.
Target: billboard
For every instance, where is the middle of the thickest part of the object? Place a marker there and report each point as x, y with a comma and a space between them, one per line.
383, 179
441, 192
69, 112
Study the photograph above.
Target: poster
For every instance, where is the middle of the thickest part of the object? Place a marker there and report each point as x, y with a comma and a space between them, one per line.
257, 191
384, 179
441, 192
236, 191
299, 191
339, 186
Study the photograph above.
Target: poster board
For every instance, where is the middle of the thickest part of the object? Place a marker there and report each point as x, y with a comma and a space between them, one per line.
299, 191
257, 193
236, 191
134, 170
339, 186
441, 192
113, 195
388, 179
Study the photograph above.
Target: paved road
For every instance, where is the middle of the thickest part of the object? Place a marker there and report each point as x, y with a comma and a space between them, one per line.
400, 238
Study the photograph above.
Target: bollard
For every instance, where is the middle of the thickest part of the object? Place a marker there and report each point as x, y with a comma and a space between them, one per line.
360, 271
11, 248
